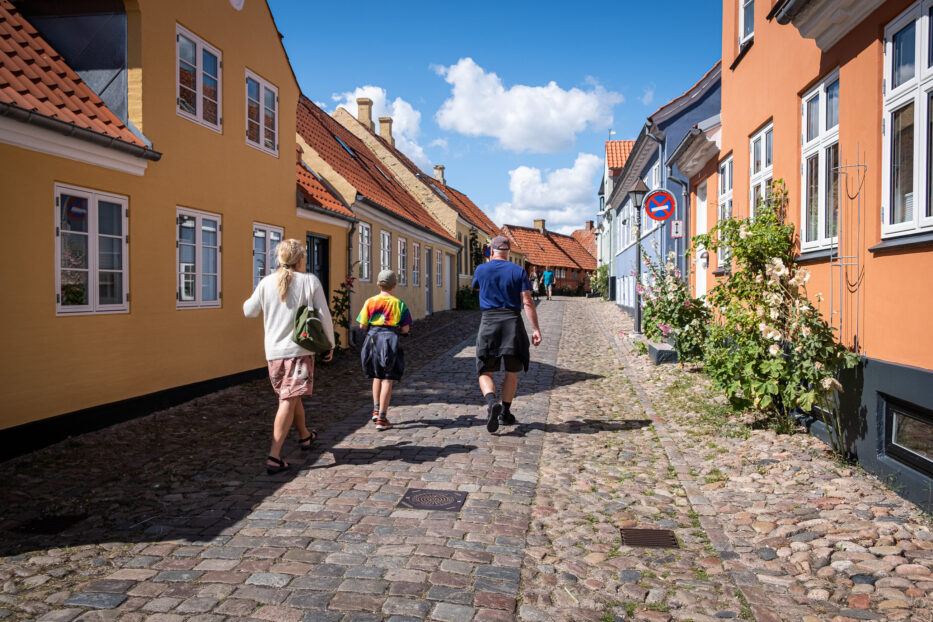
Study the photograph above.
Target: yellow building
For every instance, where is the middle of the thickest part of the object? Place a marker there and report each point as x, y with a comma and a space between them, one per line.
128, 260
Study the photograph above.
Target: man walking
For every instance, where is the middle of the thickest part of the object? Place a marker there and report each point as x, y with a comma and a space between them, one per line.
548, 277
503, 290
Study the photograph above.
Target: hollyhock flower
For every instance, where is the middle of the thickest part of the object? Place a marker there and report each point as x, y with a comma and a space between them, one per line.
831, 384
743, 231
773, 349
664, 328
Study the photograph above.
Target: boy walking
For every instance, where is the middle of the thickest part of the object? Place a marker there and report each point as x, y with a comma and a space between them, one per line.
384, 317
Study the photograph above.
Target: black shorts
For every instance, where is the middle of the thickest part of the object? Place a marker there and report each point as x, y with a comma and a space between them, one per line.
493, 363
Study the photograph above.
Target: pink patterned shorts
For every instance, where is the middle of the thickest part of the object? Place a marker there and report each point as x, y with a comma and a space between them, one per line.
292, 377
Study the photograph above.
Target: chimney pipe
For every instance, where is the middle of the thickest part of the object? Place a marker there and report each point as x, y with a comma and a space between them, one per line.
364, 112
539, 225
439, 174
589, 225
385, 129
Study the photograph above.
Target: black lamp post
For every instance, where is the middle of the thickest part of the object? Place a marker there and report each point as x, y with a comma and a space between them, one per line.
637, 194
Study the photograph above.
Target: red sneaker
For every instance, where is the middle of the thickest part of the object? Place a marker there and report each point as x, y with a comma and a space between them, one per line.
382, 423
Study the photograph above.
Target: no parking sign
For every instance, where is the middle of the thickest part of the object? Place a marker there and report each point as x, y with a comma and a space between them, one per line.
660, 205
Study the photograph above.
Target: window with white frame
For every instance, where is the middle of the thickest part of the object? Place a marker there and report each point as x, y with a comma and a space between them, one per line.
620, 230
198, 84
761, 166
652, 180
907, 161
385, 251
656, 175
262, 114
91, 274
364, 254
439, 268
746, 20
415, 264
402, 261
265, 240
197, 258
819, 169
725, 204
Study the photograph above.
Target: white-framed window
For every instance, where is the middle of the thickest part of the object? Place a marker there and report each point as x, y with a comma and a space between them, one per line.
907, 156
746, 20
265, 240
91, 274
760, 166
197, 258
385, 251
262, 114
402, 261
620, 230
725, 204
415, 264
364, 254
656, 175
819, 162
653, 181
198, 80
439, 268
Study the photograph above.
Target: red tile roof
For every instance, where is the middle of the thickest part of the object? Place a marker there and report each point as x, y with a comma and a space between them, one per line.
314, 192
617, 152
549, 249
34, 77
361, 168
587, 239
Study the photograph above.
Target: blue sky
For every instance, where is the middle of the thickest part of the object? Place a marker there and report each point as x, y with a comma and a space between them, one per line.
515, 98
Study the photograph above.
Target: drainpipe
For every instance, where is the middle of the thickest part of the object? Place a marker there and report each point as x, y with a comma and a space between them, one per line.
685, 184
349, 272
650, 134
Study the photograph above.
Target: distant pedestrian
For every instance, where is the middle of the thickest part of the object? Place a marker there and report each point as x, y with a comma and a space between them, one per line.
534, 283
384, 317
548, 278
504, 289
291, 367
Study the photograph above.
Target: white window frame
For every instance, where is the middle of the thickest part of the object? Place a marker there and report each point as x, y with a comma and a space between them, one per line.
264, 85
656, 176
759, 182
198, 302
415, 264
385, 250
200, 45
271, 262
725, 174
917, 90
652, 223
365, 251
743, 38
94, 306
402, 261
439, 268
817, 147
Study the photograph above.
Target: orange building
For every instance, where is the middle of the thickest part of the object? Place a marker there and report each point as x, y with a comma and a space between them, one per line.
836, 100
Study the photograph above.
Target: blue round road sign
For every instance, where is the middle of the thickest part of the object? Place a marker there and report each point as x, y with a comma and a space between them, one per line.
660, 205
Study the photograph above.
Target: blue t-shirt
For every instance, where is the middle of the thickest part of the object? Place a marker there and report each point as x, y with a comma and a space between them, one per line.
501, 284
548, 277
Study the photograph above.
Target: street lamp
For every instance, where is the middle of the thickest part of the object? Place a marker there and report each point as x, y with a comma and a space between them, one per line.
637, 194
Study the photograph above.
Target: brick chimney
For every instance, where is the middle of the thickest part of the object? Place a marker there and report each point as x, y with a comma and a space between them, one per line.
439, 174
589, 225
364, 112
385, 129
539, 225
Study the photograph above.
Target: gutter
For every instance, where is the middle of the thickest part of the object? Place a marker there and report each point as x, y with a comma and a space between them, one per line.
791, 9
70, 129
311, 207
682, 147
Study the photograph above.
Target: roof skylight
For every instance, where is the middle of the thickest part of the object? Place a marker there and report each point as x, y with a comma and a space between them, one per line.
344, 145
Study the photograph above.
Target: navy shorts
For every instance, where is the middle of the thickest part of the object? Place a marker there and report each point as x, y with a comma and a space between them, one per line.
494, 363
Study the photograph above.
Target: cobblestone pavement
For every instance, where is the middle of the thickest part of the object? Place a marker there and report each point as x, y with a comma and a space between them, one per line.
175, 519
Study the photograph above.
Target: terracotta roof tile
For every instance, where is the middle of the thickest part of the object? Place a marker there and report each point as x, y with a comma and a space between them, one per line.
587, 239
549, 249
361, 168
33, 76
316, 193
617, 152
575, 249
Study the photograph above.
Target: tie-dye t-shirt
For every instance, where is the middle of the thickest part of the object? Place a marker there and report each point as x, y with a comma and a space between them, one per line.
384, 311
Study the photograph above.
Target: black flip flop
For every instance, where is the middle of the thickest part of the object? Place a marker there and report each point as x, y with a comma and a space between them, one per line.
282, 466
311, 438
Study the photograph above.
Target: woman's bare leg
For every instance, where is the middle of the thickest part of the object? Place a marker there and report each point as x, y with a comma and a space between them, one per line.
283, 422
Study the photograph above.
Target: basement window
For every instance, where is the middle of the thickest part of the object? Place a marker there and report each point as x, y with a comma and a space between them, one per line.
909, 434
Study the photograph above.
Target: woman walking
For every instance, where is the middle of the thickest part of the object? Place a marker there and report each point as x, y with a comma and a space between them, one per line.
291, 367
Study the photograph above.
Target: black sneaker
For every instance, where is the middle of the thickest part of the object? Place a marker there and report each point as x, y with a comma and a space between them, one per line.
492, 416
507, 419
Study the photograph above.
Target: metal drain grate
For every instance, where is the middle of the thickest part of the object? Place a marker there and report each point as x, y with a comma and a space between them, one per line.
652, 538
439, 500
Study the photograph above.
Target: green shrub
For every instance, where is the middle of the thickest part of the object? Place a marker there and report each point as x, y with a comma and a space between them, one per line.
600, 281
467, 299
669, 311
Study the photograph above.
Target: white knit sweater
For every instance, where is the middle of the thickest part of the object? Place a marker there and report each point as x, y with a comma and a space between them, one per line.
278, 317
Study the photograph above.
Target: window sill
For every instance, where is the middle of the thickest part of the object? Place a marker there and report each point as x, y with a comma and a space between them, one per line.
743, 50
903, 243
816, 255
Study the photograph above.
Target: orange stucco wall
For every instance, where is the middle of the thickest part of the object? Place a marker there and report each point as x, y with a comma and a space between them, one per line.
888, 294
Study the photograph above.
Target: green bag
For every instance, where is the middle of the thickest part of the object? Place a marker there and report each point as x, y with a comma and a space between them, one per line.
308, 331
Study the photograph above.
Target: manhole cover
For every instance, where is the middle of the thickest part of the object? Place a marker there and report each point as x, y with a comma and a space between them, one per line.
653, 538
49, 525
442, 500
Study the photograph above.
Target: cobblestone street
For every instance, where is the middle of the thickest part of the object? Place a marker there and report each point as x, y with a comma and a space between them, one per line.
171, 517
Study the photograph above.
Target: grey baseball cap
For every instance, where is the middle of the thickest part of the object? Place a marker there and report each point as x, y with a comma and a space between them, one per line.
387, 278
500, 243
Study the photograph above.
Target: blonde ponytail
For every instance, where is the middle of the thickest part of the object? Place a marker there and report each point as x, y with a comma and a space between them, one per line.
289, 253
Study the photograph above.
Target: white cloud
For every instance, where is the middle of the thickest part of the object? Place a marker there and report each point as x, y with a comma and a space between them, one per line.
440, 143
406, 121
565, 197
539, 119
648, 95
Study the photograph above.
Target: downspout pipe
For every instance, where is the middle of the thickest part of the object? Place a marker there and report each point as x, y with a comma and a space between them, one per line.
790, 10
685, 184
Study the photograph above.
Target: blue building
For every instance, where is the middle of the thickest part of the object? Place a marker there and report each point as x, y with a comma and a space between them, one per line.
659, 137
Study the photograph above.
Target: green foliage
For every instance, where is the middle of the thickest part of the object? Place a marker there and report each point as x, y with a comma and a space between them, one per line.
670, 311
767, 347
467, 298
340, 308
641, 347
600, 281
476, 251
